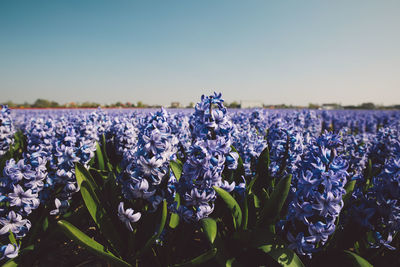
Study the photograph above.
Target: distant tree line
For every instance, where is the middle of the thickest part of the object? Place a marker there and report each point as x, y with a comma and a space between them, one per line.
44, 103
367, 105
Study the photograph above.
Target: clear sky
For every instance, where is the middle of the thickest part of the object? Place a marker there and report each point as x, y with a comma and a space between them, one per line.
292, 52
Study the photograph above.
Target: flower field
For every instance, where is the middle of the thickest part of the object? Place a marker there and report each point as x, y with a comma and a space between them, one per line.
202, 187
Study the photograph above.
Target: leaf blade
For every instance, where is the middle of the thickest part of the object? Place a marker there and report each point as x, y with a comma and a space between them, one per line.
357, 261
96, 248
158, 233
273, 206
90, 195
209, 226
177, 168
199, 259
99, 157
232, 204
174, 220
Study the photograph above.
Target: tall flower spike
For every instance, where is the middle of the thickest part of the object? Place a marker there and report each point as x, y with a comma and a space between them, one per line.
206, 158
146, 169
316, 195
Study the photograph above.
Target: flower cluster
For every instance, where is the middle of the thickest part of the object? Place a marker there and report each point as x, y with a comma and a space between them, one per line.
383, 145
384, 198
6, 130
378, 209
20, 187
75, 141
41, 136
248, 139
101, 121
355, 151
210, 118
258, 121
286, 145
124, 134
206, 159
147, 173
180, 127
316, 196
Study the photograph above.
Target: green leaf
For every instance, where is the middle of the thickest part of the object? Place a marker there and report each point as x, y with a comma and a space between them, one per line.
262, 167
264, 240
161, 226
28, 248
108, 165
349, 190
92, 161
12, 239
233, 206
37, 227
368, 179
88, 190
282, 255
82, 174
164, 214
262, 179
90, 244
176, 167
245, 211
251, 184
223, 256
118, 168
45, 224
209, 226
272, 208
230, 262
90, 195
110, 192
257, 201
99, 157
10, 263
356, 260
98, 177
200, 259
264, 196
174, 220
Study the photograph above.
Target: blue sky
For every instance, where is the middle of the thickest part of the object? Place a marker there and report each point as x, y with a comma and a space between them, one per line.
292, 52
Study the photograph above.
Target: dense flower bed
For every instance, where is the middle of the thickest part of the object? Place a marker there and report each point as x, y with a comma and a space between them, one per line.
209, 185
